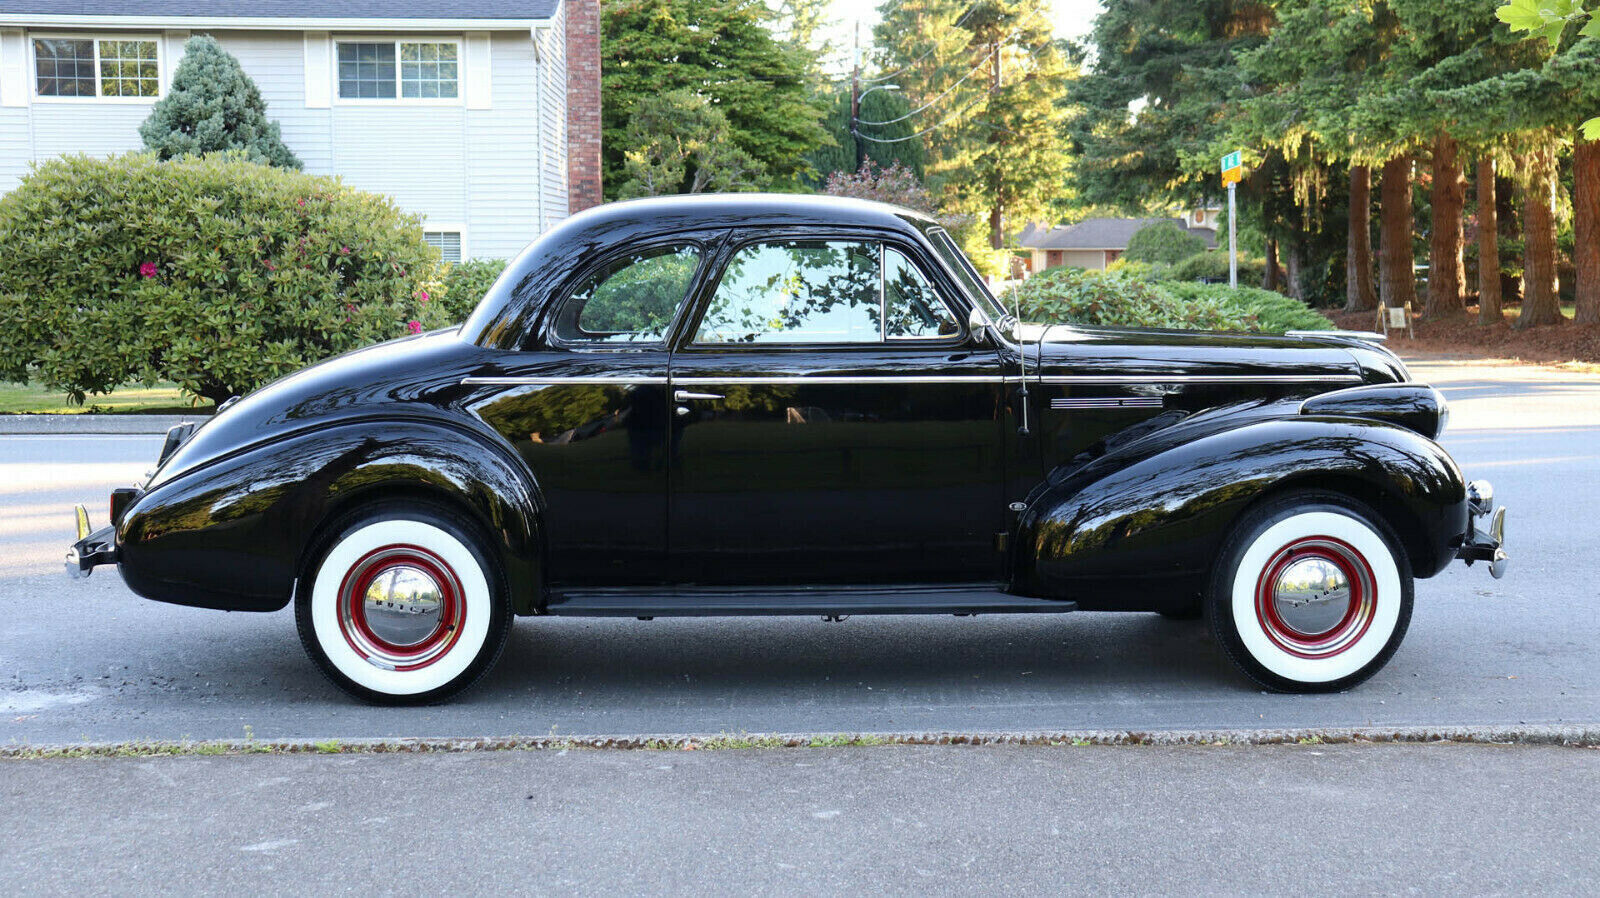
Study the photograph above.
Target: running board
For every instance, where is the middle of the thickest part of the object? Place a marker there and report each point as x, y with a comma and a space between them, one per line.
833, 601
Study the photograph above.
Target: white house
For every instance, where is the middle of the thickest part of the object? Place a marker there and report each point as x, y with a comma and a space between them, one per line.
465, 111
1095, 243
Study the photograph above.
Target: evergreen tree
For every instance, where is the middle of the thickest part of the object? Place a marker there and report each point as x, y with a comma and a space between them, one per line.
897, 143
722, 52
679, 143
213, 106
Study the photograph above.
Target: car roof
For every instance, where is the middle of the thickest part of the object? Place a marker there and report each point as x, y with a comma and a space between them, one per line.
510, 305
746, 209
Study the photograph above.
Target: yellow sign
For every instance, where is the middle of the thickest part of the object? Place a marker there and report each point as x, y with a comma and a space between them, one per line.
1232, 176
1232, 168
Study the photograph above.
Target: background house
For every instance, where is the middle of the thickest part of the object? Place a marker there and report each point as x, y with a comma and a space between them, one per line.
482, 116
1097, 242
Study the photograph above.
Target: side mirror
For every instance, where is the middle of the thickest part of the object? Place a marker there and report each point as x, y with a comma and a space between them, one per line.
978, 326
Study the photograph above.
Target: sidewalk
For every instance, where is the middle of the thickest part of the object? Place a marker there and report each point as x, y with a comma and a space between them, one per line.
154, 425
1018, 820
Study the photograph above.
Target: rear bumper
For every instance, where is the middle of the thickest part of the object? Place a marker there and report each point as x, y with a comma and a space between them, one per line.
1486, 530
92, 550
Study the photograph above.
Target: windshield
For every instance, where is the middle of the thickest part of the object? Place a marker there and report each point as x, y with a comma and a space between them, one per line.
956, 261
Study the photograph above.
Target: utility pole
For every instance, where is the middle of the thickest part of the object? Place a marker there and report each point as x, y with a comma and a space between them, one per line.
855, 101
997, 237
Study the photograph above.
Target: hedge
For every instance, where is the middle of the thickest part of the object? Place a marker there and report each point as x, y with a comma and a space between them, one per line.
1164, 242
213, 272
1132, 298
465, 284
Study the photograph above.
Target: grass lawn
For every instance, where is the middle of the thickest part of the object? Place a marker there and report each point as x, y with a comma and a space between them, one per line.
160, 399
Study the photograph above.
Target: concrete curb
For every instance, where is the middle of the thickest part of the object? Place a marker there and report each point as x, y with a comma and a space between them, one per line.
152, 425
1580, 736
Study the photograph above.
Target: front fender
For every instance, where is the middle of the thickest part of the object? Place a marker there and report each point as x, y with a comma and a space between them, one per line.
232, 533
1162, 507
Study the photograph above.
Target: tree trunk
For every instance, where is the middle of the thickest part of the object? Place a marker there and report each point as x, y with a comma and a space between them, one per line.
997, 236
1586, 225
1510, 222
1295, 265
1272, 277
1358, 291
1397, 282
1488, 247
1446, 267
1541, 305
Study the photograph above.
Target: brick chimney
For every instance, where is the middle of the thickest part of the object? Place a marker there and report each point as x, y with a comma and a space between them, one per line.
583, 104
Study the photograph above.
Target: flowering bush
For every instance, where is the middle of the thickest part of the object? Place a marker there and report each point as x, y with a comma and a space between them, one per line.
465, 283
213, 272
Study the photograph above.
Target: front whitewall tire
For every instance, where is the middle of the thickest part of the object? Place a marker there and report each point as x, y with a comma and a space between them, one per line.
1353, 543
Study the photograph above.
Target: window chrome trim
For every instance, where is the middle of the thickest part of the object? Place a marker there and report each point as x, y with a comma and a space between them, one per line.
831, 379
556, 381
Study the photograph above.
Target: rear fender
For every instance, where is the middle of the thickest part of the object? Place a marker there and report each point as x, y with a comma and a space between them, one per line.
233, 533
1161, 507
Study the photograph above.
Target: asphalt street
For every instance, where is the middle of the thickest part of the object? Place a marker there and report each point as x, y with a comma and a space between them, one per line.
898, 820
89, 661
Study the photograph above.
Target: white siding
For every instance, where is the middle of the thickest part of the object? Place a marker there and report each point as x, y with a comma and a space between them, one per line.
455, 167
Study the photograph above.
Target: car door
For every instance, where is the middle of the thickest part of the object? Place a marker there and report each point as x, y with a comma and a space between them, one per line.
585, 404
833, 421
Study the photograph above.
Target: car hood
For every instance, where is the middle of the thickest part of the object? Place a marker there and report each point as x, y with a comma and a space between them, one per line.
1135, 353
358, 384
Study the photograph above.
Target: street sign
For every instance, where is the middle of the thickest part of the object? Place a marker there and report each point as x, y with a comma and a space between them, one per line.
1232, 168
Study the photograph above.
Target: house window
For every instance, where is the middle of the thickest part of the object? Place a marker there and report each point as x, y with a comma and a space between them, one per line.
84, 67
448, 243
385, 70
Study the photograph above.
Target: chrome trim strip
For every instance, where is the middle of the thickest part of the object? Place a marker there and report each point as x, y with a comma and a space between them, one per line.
847, 379
823, 380
552, 381
1201, 378
1368, 336
1132, 402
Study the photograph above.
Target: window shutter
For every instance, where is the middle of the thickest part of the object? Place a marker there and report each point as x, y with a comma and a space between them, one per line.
476, 70
319, 70
14, 74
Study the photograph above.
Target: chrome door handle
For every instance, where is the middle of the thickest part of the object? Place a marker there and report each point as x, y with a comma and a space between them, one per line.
685, 396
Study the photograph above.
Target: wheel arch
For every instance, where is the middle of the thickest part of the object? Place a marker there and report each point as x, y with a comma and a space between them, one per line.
234, 534
1161, 512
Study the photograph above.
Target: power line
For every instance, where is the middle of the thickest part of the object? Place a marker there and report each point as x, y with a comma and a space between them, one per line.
975, 69
915, 62
947, 120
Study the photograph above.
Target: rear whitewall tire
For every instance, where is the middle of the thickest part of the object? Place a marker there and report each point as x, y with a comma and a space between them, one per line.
1329, 529
473, 620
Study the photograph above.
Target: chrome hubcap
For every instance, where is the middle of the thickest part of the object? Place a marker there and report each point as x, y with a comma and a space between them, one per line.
402, 605
1316, 597
1311, 595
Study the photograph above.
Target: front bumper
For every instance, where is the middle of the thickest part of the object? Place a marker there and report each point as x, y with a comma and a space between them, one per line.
1486, 530
92, 548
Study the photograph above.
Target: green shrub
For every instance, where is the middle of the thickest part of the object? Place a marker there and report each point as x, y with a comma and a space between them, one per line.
1213, 265
465, 284
1165, 241
1124, 299
1271, 313
213, 272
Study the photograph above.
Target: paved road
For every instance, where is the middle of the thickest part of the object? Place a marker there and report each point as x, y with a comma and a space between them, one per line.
1380, 819
90, 661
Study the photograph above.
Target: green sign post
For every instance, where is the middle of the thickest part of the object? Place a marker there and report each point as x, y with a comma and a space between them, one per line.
1232, 174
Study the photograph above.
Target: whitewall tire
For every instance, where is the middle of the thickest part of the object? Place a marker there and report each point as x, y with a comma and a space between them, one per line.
403, 604
1311, 593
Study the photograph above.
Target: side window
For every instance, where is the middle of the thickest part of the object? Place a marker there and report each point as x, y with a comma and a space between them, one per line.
911, 307
631, 300
796, 291
822, 291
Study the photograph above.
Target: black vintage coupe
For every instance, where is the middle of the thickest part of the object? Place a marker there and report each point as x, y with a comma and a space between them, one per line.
734, 405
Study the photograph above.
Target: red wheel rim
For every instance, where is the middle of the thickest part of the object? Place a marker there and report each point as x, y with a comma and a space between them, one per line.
401, 607
1321, 571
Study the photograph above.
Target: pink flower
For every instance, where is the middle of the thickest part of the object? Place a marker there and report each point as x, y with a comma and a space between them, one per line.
414, 326
422, 295
148, 269
344, 250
